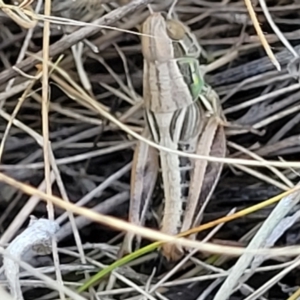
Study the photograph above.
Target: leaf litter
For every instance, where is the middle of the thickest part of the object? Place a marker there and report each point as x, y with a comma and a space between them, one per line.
94, 68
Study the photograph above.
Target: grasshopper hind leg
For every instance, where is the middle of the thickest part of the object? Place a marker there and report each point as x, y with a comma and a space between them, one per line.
143, 179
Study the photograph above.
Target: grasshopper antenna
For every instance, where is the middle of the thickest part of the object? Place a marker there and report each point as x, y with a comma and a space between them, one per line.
172, 8
150, 9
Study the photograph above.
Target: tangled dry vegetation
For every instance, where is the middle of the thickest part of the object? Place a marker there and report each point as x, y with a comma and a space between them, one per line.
90, 156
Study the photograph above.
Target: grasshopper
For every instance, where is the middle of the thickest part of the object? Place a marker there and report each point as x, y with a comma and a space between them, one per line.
181, 113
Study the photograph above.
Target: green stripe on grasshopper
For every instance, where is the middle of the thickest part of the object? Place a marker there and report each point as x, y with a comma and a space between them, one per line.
190, 70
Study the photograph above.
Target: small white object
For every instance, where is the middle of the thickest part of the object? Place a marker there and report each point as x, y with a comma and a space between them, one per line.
37, 238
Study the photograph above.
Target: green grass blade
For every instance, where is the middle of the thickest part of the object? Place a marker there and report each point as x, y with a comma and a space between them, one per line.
121, 262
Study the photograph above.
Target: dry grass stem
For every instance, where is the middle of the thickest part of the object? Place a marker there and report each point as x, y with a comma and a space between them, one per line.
73, 94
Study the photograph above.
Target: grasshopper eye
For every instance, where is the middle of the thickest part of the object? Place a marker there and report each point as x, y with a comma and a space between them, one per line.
175, 30
189, 68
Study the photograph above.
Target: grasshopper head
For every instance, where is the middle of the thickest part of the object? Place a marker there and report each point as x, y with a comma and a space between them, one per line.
156, 44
